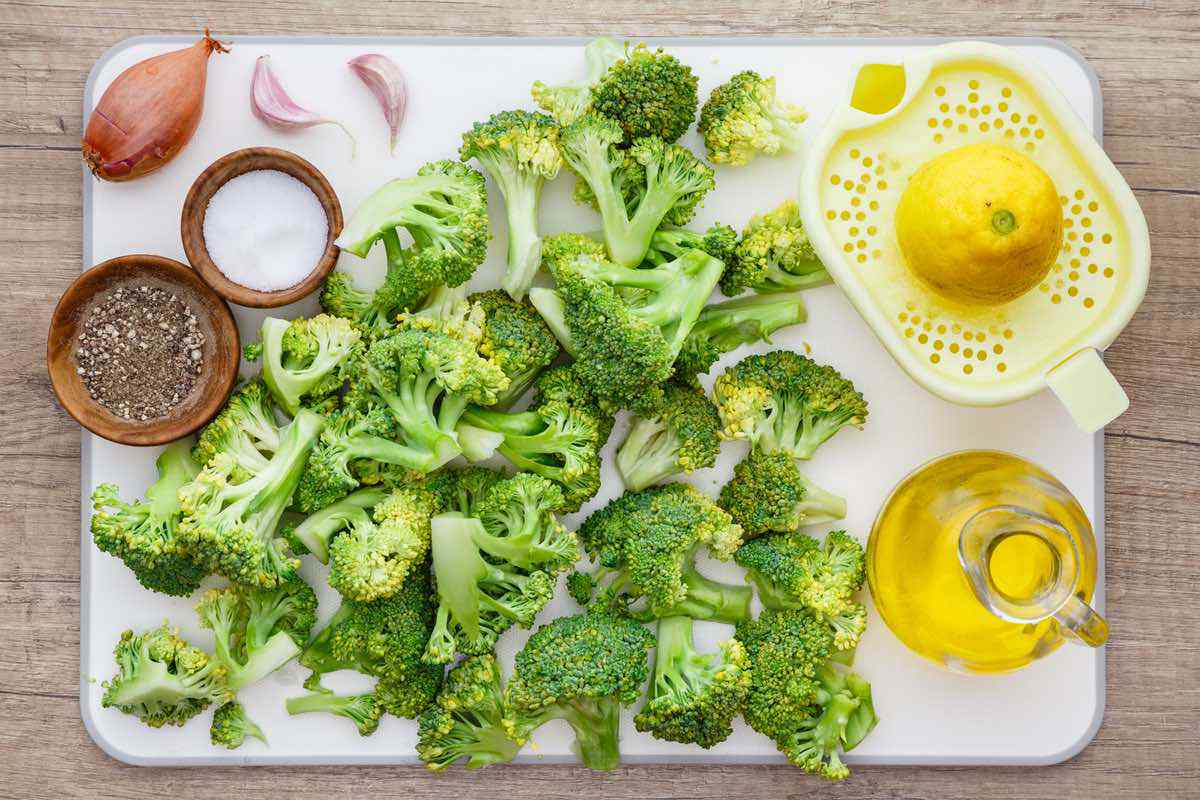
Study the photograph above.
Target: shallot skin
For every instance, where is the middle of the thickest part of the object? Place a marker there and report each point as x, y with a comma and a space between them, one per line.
149, 113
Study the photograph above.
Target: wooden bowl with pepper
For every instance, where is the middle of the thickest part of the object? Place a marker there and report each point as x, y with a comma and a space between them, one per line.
141, 351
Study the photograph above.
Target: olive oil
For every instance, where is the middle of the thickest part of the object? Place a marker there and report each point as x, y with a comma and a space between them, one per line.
991, 609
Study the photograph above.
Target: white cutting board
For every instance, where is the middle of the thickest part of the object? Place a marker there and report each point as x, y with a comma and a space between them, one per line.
1045, 714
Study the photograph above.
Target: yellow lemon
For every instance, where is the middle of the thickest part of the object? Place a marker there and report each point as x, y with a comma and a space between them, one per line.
980, 224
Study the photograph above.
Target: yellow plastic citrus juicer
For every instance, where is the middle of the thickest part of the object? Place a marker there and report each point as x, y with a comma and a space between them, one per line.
898, 118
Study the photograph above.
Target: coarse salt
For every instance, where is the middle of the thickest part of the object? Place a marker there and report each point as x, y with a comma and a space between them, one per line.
265, 230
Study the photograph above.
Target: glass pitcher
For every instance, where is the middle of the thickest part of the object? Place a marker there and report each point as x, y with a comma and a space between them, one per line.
984, 562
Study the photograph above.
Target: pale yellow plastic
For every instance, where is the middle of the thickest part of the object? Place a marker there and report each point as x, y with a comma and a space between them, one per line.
897, 117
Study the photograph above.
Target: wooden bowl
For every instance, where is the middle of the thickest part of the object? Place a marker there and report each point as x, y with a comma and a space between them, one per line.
221, 352
238, 163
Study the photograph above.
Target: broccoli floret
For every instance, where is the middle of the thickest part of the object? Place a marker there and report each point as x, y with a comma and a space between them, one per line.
462, 490
648, 93
384, 638
679, 436
355, 439
637, 190
314, 532
667, 244
693, 696
364, 710
516, 338
793, 570
467, 719
245, 429
144, 533
768, 492
787, 649
743, 117
569, 101
162, 680
581, 669
724, 327
479, 598
299, 357
252, 351
257, 631
783, 401
230, 727
230, 527
774, 255
444, 208
842, 716
519, 149
645, 544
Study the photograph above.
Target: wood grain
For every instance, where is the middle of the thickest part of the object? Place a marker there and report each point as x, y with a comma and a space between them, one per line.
1146, 55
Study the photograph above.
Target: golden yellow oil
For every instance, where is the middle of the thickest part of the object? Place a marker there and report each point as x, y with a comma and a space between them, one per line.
919, 585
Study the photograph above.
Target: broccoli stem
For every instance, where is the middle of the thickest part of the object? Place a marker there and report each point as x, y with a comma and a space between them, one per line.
477, 444
596, 723
553, 312
709, 599
648, 454
459, 568
678, 669
521, 196
316, 531
748, 319
412, 404
819, 506
278, 650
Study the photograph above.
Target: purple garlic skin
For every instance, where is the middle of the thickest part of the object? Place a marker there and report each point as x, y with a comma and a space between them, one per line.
385, 80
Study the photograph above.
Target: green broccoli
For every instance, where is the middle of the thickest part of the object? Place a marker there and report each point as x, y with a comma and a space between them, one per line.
667, 244
257, 631
467, 719
743, 117
519, 149
774, 255
768, 492
144, 534
678, 436
230, 527
843, 716
230, 727
787, 650
314, 533
569, 101
364, 710
693, 696
783, 401
246, 428
647, 93
162, 680
301, 358
375, 554
516, 338
444, 209
462, 490
637, 190
580, 669
723, 327
794, 570
383, 638
645, 544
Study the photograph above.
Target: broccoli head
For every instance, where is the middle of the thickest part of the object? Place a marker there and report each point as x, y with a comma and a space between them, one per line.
774, 255
783, 401
569, 101
467, 719
768, 492
314, 533
580, 669
301, 358
693, 696
230, 526
635, 190
519, 149
647, 93
245, 429
516, 338
842, 716
231, 727
162, 680
724, 327
743, 117
678, 436
462, 490
144, 533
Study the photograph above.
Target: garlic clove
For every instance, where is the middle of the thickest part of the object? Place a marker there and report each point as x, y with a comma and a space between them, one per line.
271, 103
385, 80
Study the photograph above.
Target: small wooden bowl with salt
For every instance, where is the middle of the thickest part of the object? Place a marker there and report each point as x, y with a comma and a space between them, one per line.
265, 226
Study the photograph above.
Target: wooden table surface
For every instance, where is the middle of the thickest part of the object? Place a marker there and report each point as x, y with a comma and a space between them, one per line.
1148, 57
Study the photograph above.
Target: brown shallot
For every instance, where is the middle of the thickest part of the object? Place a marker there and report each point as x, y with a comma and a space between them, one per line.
148, 113
271, 103
385, 80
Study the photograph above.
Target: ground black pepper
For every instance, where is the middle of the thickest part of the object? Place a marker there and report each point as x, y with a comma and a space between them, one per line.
140, 352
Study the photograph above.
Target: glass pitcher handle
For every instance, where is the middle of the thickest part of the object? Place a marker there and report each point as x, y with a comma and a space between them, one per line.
1081, 623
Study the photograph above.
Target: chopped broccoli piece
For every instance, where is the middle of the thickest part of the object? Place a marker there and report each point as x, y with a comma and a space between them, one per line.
364, 710
693, 696
516, 338
679, 436
569, 101
724, 327
719, 241
162, 680
580, 669
647, 93
743, 117
467, 719
783, 401
230, 727
252, 351
774, 255
314, 533
246, 429
144, 534
519, 149
843, 716
768, 492
462, 490
230, 526
299, 357
637, 190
